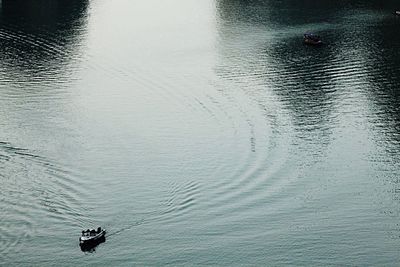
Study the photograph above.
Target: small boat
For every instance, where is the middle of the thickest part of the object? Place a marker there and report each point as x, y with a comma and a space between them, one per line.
312, 39
397, 13
92, 237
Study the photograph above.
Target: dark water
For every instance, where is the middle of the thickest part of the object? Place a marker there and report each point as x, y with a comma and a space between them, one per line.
199, 132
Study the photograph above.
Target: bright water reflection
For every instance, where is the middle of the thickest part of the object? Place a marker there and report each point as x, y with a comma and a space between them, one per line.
199, 132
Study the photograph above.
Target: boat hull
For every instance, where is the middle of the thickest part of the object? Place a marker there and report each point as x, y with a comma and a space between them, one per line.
87, 243
91, 245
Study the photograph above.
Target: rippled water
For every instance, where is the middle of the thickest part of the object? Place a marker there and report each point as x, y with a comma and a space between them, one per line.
199, 132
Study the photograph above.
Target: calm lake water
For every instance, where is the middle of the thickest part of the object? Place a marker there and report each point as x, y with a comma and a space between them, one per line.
199, 132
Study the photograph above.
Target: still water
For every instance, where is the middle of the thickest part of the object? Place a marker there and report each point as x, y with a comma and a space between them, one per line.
199, 132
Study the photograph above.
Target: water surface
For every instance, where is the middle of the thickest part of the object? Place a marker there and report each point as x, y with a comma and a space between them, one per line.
199, 132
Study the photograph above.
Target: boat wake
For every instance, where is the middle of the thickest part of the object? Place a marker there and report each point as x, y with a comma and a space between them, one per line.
34, 187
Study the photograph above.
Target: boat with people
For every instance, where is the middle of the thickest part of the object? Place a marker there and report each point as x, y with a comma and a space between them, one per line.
312, 39
91, 237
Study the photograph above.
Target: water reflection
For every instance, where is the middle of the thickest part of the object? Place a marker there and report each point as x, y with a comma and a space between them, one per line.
293, 13
92, 247
310, 81
39, 54
384, 91
40, 39
270, 165
341, 99
277, 59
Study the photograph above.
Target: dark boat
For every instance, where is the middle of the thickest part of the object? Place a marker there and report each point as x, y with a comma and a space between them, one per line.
91, 238
312, 39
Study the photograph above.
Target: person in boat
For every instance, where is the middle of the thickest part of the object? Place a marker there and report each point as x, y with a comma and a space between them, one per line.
91, 232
